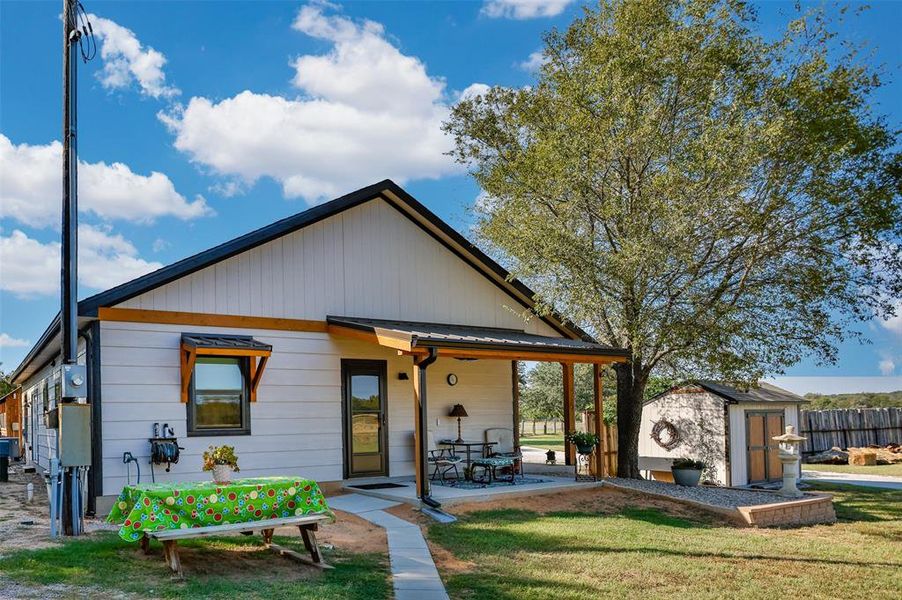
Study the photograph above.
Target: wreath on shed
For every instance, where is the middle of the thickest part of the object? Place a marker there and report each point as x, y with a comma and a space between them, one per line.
665, 434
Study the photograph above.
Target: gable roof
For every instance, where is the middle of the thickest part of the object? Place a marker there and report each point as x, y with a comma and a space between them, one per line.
387, 190
762, 393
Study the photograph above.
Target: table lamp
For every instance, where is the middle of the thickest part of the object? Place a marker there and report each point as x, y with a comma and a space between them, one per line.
458, 411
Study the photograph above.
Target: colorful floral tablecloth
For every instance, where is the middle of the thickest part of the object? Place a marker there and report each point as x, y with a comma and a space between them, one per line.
158, 506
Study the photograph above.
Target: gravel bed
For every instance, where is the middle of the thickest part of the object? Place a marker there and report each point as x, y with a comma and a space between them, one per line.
714, 496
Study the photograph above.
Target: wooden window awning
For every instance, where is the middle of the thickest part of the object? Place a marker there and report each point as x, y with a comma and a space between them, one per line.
202, 344
469, 342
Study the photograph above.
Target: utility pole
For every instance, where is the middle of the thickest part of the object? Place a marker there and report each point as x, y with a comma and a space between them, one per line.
69, 252
72, 376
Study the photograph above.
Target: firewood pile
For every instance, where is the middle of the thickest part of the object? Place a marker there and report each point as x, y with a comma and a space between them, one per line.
870, 455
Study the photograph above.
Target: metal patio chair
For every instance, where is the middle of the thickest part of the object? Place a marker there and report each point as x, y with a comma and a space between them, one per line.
444, 460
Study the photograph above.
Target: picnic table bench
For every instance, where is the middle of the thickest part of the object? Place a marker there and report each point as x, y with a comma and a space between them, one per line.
175, 511
308, 525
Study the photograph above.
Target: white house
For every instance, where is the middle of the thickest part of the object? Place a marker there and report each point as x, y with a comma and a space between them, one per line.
728, 428
309, 345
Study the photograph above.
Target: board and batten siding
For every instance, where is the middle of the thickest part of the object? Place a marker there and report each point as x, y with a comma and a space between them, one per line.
700, 419
296, 424
368, 261
43, 442
738, 450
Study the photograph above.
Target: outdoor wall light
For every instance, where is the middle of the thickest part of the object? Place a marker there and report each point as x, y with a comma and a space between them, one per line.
403, 376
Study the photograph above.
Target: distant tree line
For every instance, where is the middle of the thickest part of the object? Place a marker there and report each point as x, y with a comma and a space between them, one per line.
860, 400
542, 391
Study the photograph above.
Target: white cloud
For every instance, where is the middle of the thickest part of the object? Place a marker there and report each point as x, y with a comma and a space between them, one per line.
523, 9
32, 180
887, 366
472, 90
7, 341
366, 112
534, 62
160, 244
31, 268
126, 61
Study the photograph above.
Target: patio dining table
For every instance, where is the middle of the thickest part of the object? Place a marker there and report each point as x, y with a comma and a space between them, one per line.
468, 445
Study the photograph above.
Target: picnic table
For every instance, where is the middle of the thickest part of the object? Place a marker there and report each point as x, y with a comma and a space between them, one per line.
181, 510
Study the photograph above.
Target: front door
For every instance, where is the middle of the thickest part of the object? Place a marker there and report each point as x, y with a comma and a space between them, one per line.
763, 452
365, 420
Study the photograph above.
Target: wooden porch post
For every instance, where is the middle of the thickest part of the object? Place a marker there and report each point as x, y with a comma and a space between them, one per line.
569, 413
515, 394
599, 421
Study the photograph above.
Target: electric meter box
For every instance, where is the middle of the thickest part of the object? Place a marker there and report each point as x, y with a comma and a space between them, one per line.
75, 434
74, 381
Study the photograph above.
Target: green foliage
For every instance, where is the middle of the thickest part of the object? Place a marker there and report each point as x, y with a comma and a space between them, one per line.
582, 439
719, 204
860, 400
542, 391
6, 386
688, 463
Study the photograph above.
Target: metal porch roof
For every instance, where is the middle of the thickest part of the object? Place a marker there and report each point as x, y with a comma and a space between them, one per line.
223, 342
441, 335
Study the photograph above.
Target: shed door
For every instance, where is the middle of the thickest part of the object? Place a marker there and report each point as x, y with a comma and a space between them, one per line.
763, 453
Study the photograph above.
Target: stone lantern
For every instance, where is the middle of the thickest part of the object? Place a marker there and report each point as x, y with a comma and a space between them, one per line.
790, 457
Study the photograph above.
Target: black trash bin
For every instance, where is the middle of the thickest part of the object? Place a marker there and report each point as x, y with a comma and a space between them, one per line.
5, 446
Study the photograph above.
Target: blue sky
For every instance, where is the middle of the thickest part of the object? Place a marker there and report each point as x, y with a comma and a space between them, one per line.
191, 108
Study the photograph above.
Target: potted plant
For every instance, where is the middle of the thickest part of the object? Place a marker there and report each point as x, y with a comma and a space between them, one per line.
222, 461
687, 471
585, 442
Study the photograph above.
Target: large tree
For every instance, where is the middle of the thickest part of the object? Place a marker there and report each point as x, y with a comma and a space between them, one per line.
719, 204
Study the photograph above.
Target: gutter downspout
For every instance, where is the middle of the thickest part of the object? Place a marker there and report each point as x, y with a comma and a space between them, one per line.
422, 475
91, 335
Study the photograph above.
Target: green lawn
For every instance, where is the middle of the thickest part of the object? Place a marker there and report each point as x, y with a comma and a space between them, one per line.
545, 442
227, 567
895, 469
643, 552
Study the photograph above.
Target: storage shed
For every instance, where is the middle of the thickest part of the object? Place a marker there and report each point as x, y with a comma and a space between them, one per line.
727, 427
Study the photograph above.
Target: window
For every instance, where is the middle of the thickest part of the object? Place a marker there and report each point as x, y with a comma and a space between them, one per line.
219, 403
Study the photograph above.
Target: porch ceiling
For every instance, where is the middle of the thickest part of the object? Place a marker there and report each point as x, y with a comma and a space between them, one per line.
465, 341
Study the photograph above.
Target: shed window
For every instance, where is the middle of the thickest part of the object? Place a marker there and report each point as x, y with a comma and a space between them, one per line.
219, 396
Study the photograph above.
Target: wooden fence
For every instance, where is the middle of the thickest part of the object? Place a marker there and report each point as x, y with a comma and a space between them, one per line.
608, 440
540, 427
849, 427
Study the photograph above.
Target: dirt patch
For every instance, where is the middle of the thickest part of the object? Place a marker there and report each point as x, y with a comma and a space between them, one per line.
410, 513
447, 562
23, 525
351, 534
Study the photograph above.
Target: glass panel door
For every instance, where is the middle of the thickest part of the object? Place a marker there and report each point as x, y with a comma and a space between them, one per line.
365, 418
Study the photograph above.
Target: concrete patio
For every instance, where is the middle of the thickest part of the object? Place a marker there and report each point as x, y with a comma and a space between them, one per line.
449, 495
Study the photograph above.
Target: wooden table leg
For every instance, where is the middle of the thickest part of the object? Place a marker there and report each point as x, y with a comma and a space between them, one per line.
309, 536
171, 554
145, 544
267, 536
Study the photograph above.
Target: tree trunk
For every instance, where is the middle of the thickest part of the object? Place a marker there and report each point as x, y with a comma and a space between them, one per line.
630, 392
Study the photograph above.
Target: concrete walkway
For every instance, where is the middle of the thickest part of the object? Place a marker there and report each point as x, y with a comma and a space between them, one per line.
413, 572
887, 482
